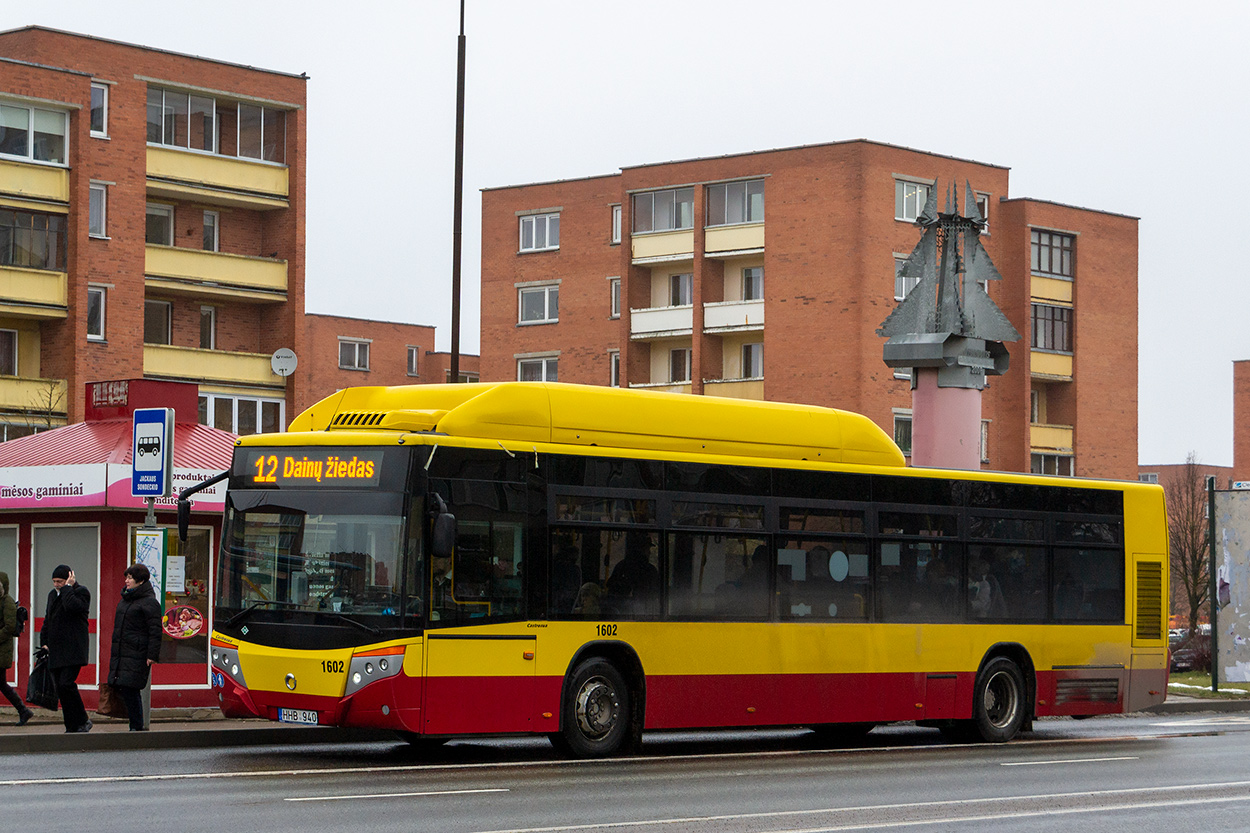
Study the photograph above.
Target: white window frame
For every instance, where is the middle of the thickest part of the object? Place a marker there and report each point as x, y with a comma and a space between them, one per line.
983, 205
1039, 462
1148, 477
29, 156
748, 279
210, 405
550, 225
102, 291
614, 368
903, 416
14, 354
616, 225
744, 206
681, 287
103, 132
548, 366
614, 297
985, 441
674, 200
550, 293
414, 360
215, 242
910, 196
688, 361
156, 208
169, 320
209, 311
357, 352
748, 348
100, 229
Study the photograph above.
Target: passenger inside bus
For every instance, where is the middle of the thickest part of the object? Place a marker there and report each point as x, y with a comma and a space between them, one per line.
634, 585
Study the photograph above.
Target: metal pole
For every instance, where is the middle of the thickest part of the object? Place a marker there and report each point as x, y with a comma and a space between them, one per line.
150, 520
1215, 586
459, 208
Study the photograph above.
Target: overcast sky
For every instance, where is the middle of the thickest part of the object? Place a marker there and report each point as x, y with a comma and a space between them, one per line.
1138, 108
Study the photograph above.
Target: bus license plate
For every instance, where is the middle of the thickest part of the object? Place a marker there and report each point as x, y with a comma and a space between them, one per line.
297, 716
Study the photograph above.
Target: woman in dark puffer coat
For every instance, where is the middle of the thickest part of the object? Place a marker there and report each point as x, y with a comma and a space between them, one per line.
136, 641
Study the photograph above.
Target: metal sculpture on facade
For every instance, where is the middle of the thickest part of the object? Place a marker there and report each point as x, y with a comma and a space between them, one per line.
949, 332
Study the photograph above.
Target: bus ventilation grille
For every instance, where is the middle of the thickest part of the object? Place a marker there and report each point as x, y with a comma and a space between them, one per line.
1087, 691
357, 420
1149, 600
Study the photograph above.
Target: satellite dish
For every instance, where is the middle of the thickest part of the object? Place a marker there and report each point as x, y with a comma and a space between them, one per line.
283, 361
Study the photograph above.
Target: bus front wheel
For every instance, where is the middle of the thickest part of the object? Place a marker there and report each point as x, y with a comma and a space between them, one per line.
596, 715
999, 701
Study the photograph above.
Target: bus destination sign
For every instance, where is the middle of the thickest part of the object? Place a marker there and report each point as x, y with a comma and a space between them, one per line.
311, 468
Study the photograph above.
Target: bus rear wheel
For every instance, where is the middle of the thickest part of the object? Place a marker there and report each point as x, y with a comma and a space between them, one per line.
596, 718
999, 702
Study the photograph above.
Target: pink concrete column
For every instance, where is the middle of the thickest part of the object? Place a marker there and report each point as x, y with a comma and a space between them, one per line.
945, 424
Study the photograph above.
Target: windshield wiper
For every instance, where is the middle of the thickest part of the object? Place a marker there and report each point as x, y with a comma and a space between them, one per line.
247, 611
349, 620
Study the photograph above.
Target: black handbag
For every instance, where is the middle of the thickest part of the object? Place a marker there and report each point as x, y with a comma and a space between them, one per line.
41, 688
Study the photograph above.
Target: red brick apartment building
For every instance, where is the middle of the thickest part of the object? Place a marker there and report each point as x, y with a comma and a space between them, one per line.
152, 225
765, 276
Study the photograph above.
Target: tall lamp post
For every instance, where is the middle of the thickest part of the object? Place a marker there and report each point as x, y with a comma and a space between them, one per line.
458, 208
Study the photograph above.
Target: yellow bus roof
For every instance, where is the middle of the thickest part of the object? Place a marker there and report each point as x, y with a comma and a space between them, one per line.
609, 418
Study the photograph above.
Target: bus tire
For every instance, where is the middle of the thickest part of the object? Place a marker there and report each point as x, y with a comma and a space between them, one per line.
999, 701
596, 719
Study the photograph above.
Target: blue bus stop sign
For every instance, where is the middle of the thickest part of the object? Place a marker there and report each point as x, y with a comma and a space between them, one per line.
152, 456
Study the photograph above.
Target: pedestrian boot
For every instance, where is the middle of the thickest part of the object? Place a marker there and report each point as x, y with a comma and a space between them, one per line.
24, 717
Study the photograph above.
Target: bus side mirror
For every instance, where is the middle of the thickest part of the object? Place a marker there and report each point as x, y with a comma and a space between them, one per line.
184, 518
443, 538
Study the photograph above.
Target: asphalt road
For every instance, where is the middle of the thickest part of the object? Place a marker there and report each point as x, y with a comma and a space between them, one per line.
1139, 773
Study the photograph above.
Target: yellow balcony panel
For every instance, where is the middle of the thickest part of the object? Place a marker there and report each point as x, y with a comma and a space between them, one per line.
1051, 365
42, 398
1050, 437
749, 237
735, 388
1051, 289
217, 180
34, 182
215, 274
163, 361
663, 244
32, 293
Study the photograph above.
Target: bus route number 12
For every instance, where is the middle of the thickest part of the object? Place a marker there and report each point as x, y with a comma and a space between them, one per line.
261, 476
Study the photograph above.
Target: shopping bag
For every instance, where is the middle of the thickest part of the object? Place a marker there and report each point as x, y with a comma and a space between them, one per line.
41, 688
111, 703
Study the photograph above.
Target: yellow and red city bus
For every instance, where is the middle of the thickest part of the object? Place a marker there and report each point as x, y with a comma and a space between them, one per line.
587, 563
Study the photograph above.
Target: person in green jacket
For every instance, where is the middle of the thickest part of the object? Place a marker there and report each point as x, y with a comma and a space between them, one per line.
8, 632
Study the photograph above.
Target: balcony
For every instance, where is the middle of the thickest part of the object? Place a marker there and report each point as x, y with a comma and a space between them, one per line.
40, 183
735, 388
1051, 366
733, 316
32, 293
740, 239
658, 247
191, 364
660, 322
37, 397
1050, 289
1050, 438
663, 387
215, 275
216, 180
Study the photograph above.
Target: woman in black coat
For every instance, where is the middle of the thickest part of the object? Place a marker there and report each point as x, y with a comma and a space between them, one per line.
136, 641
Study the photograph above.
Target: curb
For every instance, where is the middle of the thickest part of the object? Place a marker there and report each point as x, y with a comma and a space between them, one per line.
195, 737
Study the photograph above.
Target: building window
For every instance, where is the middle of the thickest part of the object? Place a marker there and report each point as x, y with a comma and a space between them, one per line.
983, 206
262, 132
466, 376
1052, 253
212, 231
1060, 464
230, 128
681, 290
753, 283
985, 441
902, 285
8, 352
668, 210
208, 328
1148, 477
539, 304
729, 203
909, 199
1035, 407
157, 317
242, 414
97, 297
414, 354
679, 364
614, 368
614, 291
1052, 328
160, 225
540, 232
753, 361
100, 110
616, 224
537, 370
32, 241
33, 134
353, 354
902, 432
97, 210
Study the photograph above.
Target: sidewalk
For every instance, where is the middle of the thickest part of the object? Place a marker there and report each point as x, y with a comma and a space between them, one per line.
199, 728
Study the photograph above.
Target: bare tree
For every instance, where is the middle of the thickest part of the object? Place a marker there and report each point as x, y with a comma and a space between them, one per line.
47, 405
1188, 533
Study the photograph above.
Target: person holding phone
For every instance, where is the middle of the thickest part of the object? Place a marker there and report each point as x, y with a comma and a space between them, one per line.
64, 636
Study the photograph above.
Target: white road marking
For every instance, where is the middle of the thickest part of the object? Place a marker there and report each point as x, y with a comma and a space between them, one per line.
1070, 761
395, 795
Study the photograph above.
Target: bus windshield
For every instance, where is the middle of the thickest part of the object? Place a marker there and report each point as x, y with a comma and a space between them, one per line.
337, 555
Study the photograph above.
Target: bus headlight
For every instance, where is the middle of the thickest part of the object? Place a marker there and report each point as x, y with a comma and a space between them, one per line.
227, 659
374, 666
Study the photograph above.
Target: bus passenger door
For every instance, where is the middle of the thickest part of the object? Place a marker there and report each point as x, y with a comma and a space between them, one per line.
479, 683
